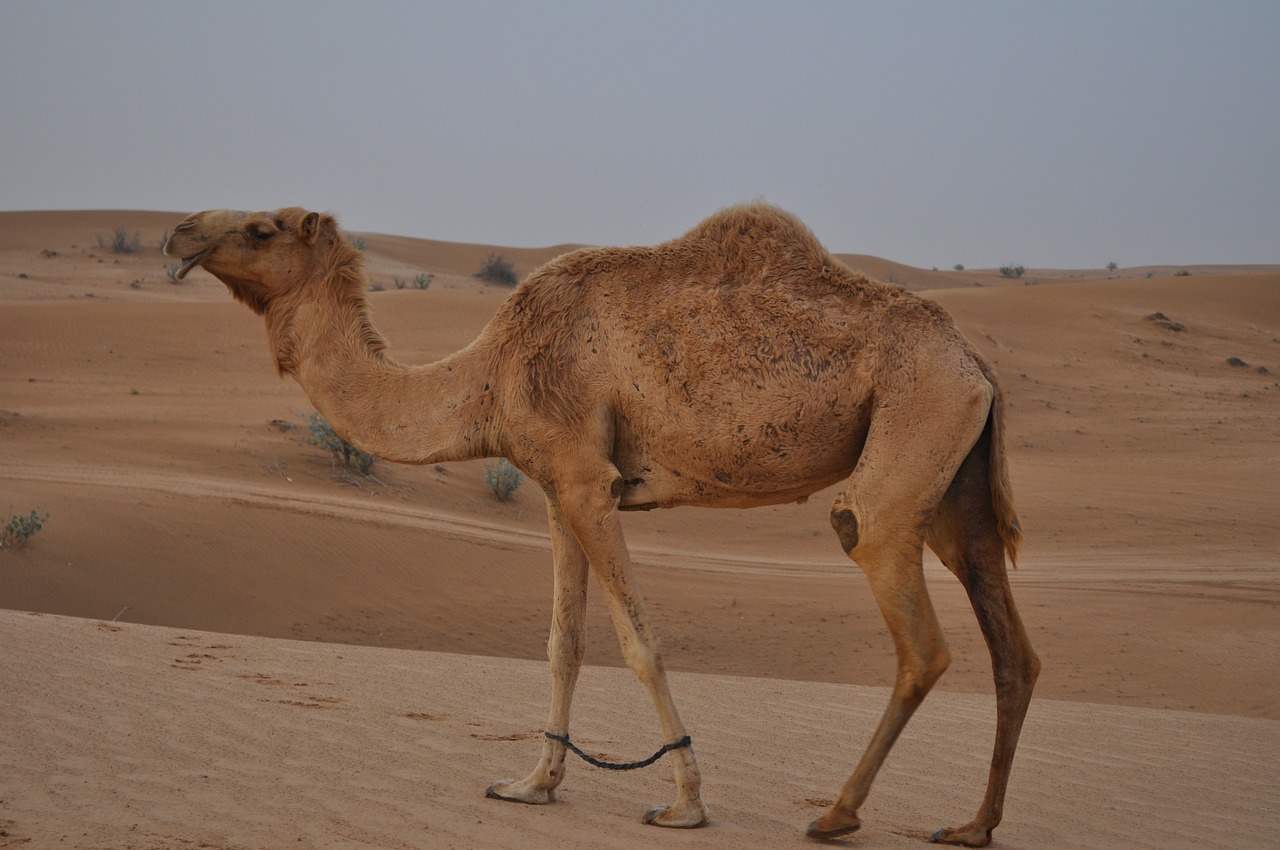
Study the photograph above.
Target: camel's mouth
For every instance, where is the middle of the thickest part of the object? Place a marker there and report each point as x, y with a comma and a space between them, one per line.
189, 263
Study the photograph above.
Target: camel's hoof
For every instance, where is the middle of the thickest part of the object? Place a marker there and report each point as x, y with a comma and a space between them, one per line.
833, 825
965, 836
826, 833
519, 792
680, 816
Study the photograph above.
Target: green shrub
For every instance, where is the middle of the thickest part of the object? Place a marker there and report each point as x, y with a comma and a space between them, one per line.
1012, 270
503, 478
320, 433
20, 529
498, 269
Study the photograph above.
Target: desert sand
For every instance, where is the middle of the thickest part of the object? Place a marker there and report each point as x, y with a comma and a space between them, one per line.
303, 658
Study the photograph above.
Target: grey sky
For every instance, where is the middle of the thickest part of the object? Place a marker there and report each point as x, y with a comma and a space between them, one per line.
1065, 135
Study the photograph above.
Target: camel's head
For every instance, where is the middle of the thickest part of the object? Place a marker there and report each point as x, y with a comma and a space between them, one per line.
258, 255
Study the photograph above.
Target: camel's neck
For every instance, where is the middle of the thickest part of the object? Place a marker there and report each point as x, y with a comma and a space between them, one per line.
411, 414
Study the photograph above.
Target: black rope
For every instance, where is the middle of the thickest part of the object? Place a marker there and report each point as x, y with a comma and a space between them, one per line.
686, 741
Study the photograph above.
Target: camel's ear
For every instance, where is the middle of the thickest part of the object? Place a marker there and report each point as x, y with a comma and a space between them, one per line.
309, 228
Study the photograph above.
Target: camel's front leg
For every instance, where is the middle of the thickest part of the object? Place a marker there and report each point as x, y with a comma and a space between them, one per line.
591, 512
564, 649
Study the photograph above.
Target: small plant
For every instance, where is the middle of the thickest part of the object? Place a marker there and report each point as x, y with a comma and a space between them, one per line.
958, 267
498, 269
357, 242
20, 529
320, 433
503, 478
1112, 266
122, 242
1012, 270
421, 281
1182, 273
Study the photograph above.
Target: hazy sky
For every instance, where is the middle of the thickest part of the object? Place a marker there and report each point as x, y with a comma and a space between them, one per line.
1065, 134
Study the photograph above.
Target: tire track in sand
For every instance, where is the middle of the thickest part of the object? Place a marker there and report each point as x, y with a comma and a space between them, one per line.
391, 514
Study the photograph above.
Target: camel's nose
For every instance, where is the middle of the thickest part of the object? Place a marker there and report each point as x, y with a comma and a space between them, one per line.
185, 227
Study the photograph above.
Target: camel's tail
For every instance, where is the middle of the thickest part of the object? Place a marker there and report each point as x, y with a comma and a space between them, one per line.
1007, 522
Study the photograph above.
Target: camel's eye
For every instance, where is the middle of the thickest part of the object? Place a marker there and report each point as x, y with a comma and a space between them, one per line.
262, 232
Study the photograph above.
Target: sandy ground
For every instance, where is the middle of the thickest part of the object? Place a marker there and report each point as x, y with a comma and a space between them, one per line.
145, 737
145, 418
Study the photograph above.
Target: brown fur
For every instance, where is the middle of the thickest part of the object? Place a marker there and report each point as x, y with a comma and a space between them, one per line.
737, 365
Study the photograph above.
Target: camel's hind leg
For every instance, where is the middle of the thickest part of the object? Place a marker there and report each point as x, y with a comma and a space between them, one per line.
966, 539
910, 456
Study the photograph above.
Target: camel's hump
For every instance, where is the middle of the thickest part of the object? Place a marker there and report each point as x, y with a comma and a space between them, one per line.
736, 242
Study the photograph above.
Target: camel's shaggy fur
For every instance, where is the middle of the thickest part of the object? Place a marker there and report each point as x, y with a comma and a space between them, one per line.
738, 365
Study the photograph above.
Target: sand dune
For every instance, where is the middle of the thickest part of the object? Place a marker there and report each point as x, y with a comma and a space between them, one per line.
145, 417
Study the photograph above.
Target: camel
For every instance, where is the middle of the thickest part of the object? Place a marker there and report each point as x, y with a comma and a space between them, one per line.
735, 366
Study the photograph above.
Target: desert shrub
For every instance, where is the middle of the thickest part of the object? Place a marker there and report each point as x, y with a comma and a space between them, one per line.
121, 241
20, 529
420, 281
320, 433
958, 267
503, 478
1012, 270
498, 269
1112, 266
1182, 273
357, 242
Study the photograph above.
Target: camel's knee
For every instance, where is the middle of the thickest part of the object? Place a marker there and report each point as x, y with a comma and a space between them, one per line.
1025, 673
566, 649
936, 662
918, 674
644, 658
